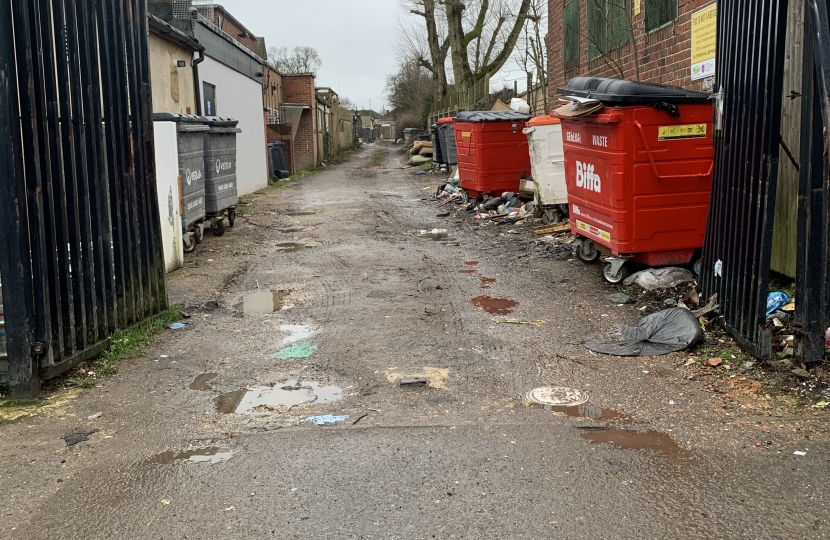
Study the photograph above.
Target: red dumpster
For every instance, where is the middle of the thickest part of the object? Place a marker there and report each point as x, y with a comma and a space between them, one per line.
493, 155
639, 173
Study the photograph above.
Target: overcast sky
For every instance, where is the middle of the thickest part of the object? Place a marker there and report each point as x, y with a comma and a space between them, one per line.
355, 39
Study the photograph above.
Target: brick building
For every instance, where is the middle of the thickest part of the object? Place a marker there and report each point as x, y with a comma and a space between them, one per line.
299, 95
593, 38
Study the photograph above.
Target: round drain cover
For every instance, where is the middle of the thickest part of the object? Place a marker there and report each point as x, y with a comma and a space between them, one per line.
557, 396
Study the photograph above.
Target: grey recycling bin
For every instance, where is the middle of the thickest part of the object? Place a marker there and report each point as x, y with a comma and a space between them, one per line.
190, 149
220, 172
445, 128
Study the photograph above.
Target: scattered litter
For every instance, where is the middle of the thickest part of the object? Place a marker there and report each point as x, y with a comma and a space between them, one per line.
176, 326
74, 437
619, 298
325, 419
436, 377
708, 308
777, 322
803, 373
434, 234
95, 416
539, 322
800, 453
550, 229
671, 402
413, 381
660, 278
719, 268
789, 306
821, 405
663, 332
228, 509
776, 300
714, 362
165, 501
303, 349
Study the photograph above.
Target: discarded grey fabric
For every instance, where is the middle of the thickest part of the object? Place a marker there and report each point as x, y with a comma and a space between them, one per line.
507, 195
495, 202
663, 332
660, 278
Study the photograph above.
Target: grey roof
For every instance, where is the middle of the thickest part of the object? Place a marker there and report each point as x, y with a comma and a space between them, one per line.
172, 34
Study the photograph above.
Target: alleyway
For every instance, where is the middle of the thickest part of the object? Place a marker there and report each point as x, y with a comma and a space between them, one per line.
462, 457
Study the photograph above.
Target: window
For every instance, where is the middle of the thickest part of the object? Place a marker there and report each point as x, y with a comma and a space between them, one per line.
209, 94
659, 13
609, 26
571, 34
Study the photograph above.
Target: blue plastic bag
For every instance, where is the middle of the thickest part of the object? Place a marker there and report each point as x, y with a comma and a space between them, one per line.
776, 300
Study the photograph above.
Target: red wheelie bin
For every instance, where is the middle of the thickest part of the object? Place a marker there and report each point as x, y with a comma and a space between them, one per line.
493, 154
639, 173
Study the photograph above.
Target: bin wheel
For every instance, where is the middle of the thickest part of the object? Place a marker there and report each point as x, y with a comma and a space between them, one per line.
698, 267
610, 277
189, 242
231, 217
586, 251
551, 216
198, 233
217, 227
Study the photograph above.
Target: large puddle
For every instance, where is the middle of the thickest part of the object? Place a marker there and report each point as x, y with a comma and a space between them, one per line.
200, 455
630, 439
202, 382
281, 397
262, 302
494, 306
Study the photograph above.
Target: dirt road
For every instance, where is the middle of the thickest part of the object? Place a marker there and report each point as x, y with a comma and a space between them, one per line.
212, 432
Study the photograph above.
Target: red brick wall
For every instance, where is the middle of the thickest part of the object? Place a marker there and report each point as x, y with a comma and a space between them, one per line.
665, 54
300, 89
234, 28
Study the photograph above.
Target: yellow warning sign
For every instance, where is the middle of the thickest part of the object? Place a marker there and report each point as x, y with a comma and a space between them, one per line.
686, 131
466, 134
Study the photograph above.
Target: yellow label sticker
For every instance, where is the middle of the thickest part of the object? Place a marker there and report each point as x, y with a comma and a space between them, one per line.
686, 131
466, 134
595, 231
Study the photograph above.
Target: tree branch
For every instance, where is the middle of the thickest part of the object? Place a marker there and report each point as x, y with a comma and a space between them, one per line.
479, 26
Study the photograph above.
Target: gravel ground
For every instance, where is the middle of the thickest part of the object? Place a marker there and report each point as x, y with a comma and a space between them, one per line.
669, 447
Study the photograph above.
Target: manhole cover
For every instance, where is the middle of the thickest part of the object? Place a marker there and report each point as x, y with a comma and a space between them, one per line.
556, 396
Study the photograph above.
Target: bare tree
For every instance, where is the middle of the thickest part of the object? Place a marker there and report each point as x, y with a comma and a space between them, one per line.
294, 61
532, 47
346, 103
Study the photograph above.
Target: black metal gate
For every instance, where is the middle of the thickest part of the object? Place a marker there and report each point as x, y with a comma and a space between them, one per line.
736, 257
813, 269
80, 245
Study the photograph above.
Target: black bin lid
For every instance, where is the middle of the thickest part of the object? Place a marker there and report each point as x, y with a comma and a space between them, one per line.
622, 92
492, 116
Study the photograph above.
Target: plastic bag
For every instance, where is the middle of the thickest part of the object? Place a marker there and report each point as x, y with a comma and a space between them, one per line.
660, 278
776, 300
519, 105
663, 332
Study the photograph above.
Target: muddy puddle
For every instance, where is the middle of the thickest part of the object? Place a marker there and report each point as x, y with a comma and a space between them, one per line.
202, 382
291, 229
290, 247
467, 271
294, 214
281, 397
471, 263
200, 455
486, 281
494, 306
262, 302
631, 439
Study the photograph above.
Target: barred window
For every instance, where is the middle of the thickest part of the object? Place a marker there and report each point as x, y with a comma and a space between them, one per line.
609, 26
659, 13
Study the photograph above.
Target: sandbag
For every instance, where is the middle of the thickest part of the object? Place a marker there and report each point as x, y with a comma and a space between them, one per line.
663, 332
419, 160
425, 151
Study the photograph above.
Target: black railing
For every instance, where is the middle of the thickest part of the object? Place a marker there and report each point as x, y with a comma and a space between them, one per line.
81, 251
